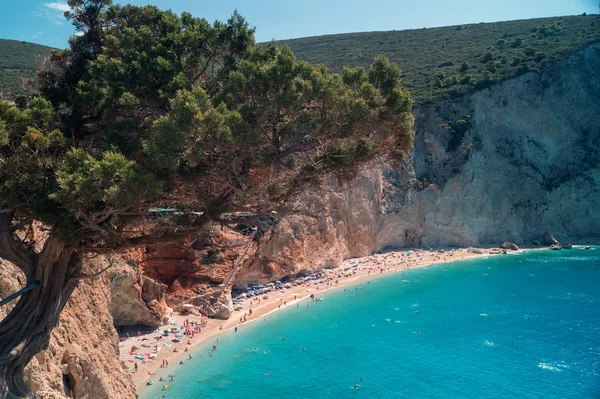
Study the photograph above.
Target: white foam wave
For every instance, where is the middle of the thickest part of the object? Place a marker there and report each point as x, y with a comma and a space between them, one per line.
553, 366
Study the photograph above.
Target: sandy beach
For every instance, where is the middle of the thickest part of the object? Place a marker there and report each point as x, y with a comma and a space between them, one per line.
351, 271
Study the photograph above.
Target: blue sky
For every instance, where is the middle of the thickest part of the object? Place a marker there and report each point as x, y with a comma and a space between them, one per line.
41, 21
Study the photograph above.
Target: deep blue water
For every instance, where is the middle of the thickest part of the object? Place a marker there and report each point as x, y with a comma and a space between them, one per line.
471, 317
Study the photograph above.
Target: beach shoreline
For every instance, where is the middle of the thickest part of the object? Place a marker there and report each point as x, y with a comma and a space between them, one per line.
365, 268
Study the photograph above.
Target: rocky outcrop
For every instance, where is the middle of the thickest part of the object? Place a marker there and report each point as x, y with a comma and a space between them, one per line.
505, 163
82, 360
549, 239
137, 300
510, 245
212, 300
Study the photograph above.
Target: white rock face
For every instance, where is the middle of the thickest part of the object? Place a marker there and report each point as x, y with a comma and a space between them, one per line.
136, 300
529, 163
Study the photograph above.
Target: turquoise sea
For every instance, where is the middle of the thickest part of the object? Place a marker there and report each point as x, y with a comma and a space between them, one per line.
512, 326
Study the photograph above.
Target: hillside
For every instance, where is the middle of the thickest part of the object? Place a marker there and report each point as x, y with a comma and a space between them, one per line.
436, 62
451, 61
18, 60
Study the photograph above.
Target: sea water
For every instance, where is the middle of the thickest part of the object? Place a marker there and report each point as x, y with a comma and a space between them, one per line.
512, 326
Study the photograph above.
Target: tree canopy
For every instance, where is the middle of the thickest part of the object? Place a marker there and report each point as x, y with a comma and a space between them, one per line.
149, 108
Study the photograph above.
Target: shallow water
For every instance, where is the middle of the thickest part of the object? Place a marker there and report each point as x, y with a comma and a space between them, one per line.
471, 317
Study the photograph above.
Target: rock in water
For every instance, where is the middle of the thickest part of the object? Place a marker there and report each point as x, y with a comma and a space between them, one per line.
549, 239
567, 246
510, 245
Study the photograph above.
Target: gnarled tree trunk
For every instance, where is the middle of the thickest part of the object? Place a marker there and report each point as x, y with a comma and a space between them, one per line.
26, 330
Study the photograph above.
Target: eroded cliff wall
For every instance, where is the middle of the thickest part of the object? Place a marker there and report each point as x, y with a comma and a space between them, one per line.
82, 360
524, 160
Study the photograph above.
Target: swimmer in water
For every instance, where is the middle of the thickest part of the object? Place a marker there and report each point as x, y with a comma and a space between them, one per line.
356, 386
269, 373
303, 350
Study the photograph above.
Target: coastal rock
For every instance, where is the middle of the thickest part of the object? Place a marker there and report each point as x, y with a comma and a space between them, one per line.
213, 301
215, 305
475, 251
136, 300
567, 246
549, 240
510, 245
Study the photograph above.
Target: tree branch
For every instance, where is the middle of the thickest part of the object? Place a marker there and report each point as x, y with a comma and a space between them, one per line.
12, 248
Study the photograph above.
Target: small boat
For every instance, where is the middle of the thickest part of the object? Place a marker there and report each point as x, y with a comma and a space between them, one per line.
165, 387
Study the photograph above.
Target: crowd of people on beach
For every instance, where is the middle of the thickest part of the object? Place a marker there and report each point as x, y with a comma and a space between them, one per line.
250, 298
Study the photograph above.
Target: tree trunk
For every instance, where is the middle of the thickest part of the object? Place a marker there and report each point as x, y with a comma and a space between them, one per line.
26, 330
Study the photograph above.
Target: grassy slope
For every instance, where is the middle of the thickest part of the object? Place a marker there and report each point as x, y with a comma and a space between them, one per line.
18, 60
423, 54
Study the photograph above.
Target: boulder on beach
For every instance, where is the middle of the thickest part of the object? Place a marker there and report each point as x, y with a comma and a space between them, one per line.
478, 251
567, 246
510, 245
549, 240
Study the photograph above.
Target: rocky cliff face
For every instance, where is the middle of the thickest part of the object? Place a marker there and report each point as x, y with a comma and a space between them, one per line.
82, 360
505, 163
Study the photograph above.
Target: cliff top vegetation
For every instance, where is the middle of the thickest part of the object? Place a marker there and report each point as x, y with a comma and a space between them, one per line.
441, 63
437, 63
18, 62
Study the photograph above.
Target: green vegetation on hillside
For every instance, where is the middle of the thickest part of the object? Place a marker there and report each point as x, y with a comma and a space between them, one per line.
451, 61
19, 61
